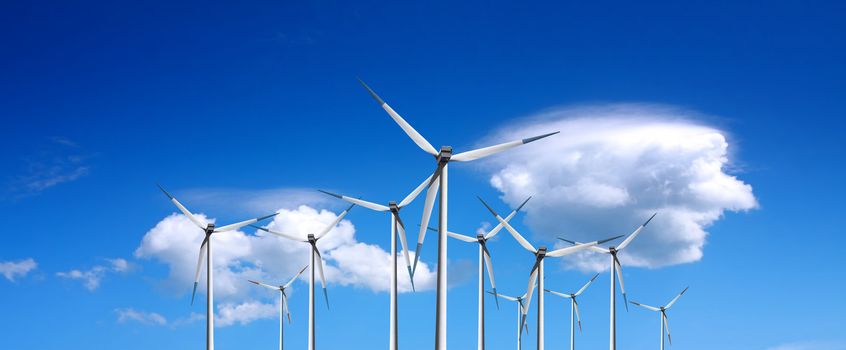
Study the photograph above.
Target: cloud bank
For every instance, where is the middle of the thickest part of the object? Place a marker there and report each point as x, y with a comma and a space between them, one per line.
12, 270
610, 168
239, 256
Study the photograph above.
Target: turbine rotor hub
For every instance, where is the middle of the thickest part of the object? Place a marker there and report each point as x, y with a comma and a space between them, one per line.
311, 239
445, 154
393, 206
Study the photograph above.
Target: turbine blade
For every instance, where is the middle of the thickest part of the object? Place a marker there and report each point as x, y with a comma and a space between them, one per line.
508, 218
578, 316
495, 294
200, 223
263, 285
363, 203
334, 223
586, 285
667, 326
409, 130
676, 298
619, 269
411, 196
295, 277
530, 290
457, 236
287, 309
319, 266
424, 221
489, 265
570, 250
280, 234
635, 233
203, 249
487, 151
645, 306
593, 248
523, 242
568, 296
404, 242
241, 224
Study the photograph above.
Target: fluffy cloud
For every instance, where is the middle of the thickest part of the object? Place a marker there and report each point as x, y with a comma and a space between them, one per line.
91, 278
148, 318
229, 314
238, 256
14, 269
610, 168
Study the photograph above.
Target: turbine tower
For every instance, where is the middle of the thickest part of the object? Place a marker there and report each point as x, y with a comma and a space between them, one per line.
316, 262
440, 179
574, 310
397, 229
283, 302
537, 270
206, 251
520, 324
484, 261
665, 322
616, 270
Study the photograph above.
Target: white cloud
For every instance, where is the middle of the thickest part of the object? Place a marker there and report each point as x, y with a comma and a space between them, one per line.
91, 278
238, 256
610, 168
243, 313
149, 318
14, 269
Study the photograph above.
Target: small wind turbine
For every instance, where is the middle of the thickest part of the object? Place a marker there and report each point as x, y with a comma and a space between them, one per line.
397, 229
439, 179
316, 262
206, 250
520, 321
537, 270
665, 322
616, 270
484, 261
574, 310
283, 301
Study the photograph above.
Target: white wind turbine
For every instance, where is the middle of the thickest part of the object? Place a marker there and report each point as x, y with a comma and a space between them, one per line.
537, 270
316, 262
397, 229
283, 301
665, 322
440, 179
574, 310
484, 260
616, 269
520, 324
206, 250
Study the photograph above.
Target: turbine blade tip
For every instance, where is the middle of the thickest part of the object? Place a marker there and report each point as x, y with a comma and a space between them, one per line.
331, 194
535, 138
163, 190
650, 219
487, 206
372, 93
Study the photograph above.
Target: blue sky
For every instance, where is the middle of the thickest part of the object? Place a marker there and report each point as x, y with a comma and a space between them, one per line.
237, 108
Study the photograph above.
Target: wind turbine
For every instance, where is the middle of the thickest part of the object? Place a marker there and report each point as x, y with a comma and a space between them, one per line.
206, 249
665, 322
616, 269
397, 228
520, 324
537, 270
283, 301
484, 260
440, 179
316, 262
574, 310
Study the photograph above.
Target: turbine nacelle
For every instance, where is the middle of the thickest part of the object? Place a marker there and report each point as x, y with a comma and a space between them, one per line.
394, 207
445, 154
541, 253
480, 237
311, 239
209, 229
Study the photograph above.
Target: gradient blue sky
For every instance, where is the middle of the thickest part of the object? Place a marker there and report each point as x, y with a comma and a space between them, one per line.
99, 101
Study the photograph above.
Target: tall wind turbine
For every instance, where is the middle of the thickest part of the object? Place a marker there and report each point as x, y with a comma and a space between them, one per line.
616, 270
520, 324
316, 262
206, 250
484, 260
397, 229
665, 322
283, 301
574, 310
537, 270
439, 179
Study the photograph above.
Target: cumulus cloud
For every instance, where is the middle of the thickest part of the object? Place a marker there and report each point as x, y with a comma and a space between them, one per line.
91, 278
148, 318
239, 256
243, 313
14, 269
610, 168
